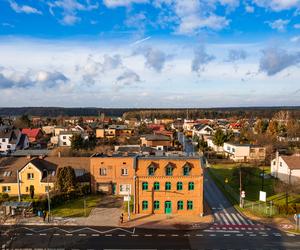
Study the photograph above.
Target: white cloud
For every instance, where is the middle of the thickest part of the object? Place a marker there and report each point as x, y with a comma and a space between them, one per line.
128, 77
122, 3
50, 79
278, 24
277, 5
249, 8
236, 55
295, 39
297, 26
23, 8
70, 8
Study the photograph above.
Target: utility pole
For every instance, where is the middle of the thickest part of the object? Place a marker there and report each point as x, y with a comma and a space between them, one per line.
19, 189
241, 202
128, 202
48, 194
287, 192
262, 179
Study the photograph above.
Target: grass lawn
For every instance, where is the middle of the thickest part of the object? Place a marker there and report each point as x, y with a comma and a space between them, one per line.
252, 185
75, 208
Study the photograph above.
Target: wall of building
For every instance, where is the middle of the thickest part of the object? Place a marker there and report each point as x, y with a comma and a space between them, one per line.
173, 195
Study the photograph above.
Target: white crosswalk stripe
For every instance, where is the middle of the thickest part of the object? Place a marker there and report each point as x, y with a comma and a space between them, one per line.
242, 219
236, 219
231, 220
224, 219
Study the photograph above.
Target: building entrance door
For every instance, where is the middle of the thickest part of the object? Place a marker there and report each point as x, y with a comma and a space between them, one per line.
168, 207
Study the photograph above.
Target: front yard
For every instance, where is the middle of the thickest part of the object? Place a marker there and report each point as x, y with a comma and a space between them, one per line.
79, 207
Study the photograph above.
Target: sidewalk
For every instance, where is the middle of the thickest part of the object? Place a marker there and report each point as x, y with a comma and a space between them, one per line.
163, 221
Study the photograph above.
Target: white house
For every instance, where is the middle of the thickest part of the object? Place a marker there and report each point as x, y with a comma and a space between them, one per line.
214, 147
244, 152
202, 130
286, 168
12, 139
65, 137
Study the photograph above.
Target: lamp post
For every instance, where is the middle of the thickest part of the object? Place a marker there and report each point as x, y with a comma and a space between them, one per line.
48, 195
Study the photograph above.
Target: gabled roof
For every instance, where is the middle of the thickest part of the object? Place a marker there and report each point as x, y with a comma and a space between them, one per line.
292, 161
31, 132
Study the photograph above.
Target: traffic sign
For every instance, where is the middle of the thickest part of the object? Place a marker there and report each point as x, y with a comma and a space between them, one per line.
243, 194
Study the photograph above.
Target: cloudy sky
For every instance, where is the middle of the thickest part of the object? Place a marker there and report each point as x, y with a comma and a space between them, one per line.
149, 53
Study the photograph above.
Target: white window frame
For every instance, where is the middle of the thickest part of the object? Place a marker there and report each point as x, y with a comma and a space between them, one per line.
124, 171
103, 171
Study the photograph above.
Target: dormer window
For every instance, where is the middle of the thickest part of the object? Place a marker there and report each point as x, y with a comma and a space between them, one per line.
186, 170
151, 170
169, 170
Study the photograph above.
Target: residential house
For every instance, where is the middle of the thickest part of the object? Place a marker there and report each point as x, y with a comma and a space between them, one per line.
286, 168
212, 145
34, 134
38, 172
152, 140
12, 139
65, 138
202, 130
244, 152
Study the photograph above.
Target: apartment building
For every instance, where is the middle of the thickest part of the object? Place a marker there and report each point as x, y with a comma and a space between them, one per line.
158, 184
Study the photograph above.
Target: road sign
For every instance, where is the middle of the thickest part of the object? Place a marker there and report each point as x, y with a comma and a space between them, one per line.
243, 194
262, 196
127, 198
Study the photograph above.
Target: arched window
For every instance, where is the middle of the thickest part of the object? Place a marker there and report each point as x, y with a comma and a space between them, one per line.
151, 170
189, 205
179, 185
145, 205
180, 205
191, 186
156, 205
145, 185
168, 186
156, 185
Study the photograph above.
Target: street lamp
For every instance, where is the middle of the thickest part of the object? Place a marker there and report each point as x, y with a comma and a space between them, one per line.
48, 195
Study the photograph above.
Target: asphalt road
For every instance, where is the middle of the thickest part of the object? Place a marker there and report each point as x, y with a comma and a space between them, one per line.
108, 238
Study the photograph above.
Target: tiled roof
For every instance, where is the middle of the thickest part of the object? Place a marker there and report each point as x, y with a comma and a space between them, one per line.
293, 161
31, 132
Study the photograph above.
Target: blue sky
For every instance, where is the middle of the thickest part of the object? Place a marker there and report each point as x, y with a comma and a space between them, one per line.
143, 53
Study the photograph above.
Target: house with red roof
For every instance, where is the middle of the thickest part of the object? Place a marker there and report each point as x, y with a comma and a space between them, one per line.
34, 134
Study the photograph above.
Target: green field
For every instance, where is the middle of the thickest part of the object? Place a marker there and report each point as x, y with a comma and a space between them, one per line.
75, 208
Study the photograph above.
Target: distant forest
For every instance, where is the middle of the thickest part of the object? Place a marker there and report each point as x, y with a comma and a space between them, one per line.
192, 113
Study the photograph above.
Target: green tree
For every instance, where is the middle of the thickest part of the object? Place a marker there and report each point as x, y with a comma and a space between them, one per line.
220, 137
66, 179
77, 142
273, 128
22, 122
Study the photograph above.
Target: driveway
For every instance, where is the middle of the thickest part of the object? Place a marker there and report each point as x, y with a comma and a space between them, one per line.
107, 213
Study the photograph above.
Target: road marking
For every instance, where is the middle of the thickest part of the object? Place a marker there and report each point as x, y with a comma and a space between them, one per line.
69, 234
212, 235
148, 235
226, 235
28, 234
186, 235
218, 217
108, 235
94, 235
82, 235
174, 235
264, 235
224, 219
236, 219
242, 219
250, 222
121, 235
199, 235
252, 235
277, 234
239, 235
56, 234
43, 234
134, 235
161, 235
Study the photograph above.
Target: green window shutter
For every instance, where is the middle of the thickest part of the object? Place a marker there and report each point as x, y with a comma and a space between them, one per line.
145, 186
168, 186
190, 205
179, 185
145, 205
156, 185
156, 205
191, 186
180, 205
151, 171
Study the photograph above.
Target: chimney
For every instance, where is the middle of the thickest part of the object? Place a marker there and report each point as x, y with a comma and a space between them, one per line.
28, 157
